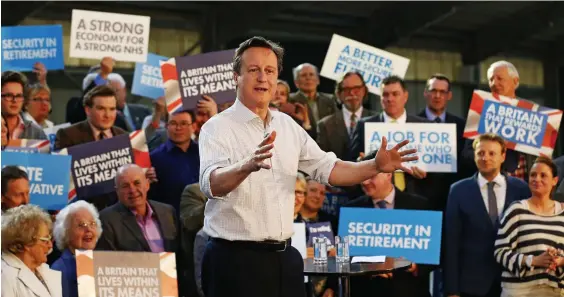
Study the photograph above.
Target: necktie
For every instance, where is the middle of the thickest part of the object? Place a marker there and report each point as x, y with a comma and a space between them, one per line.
492, 202
353, 124
399, 176
438, 120
381, 204
102, 136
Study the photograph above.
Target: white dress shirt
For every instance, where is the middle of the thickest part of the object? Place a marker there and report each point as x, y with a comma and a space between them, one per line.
500, 188
390, 200
46, 123
347, 116
262, 206
401, 120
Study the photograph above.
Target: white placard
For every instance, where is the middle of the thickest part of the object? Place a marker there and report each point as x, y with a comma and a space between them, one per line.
95, 35
435, 143
299, 239
370, 259
346, 55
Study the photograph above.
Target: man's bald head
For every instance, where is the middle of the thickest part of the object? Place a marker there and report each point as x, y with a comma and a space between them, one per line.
124, 169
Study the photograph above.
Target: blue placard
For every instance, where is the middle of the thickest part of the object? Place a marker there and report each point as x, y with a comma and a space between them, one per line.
412, 234
513, 123
94, 164
321, 229
49, 177
148, 79
23, 46
333, 201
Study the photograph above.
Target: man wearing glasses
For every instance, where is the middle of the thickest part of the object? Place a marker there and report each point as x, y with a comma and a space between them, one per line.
13, 87
437, 94
334, 132
177, 161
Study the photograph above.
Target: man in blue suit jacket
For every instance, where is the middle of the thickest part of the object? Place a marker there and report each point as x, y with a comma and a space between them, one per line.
474, 207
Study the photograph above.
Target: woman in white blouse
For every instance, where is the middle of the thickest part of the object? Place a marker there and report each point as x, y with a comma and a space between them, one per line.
37, 105
26, 242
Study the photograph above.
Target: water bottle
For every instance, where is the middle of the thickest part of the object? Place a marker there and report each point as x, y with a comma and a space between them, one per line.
339, 245
316, 250
346, 249
323, 241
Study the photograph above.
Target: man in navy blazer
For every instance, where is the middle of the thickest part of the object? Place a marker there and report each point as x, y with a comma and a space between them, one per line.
414, 282
474, 207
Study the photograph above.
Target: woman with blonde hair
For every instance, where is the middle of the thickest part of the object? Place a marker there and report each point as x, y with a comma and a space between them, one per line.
531, 239
26, 242
300, 193
37, 105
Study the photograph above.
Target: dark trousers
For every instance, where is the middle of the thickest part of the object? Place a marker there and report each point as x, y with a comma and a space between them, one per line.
231, 271
495, 291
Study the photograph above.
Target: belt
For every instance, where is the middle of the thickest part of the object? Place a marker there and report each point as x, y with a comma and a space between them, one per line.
267, 245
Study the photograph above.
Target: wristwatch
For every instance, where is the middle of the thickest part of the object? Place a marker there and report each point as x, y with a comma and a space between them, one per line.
529, 262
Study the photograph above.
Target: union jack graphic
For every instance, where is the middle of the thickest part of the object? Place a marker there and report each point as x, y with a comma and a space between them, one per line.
170, 84
141, 156
42, 146
551, 129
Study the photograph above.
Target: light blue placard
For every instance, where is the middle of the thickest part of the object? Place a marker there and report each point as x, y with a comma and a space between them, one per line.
147, 78
23, 46
49, 177
412, 234
514, 124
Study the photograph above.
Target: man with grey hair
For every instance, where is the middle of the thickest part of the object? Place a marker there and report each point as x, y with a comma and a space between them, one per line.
319, 105
136, 224
503, 79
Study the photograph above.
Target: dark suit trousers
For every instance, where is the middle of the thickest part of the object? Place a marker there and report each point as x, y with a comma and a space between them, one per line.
400, 285
495, 291
233, 271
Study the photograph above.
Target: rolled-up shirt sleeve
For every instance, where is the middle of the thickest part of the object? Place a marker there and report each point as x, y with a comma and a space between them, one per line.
314, 161
213, 155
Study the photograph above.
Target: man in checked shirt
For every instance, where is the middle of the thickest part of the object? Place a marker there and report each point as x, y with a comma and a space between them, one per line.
249, 156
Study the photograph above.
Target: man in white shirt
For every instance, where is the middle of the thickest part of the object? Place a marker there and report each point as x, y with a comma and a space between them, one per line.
474, 207
249, 214
334, 132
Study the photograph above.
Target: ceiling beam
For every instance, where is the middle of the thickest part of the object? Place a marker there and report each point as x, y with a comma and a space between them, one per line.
19, 11
505, 33
393, 22
238, 18
163, 17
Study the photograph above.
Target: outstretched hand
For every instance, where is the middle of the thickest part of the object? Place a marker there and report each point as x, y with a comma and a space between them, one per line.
255, 161
391, 160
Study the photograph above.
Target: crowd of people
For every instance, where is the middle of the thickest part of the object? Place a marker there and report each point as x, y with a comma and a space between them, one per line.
227, 181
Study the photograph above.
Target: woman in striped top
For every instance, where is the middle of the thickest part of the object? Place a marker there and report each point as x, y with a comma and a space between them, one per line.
531, 239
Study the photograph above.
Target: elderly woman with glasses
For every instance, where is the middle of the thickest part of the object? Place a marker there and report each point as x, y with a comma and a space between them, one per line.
77, 227
26, 242
37, 105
